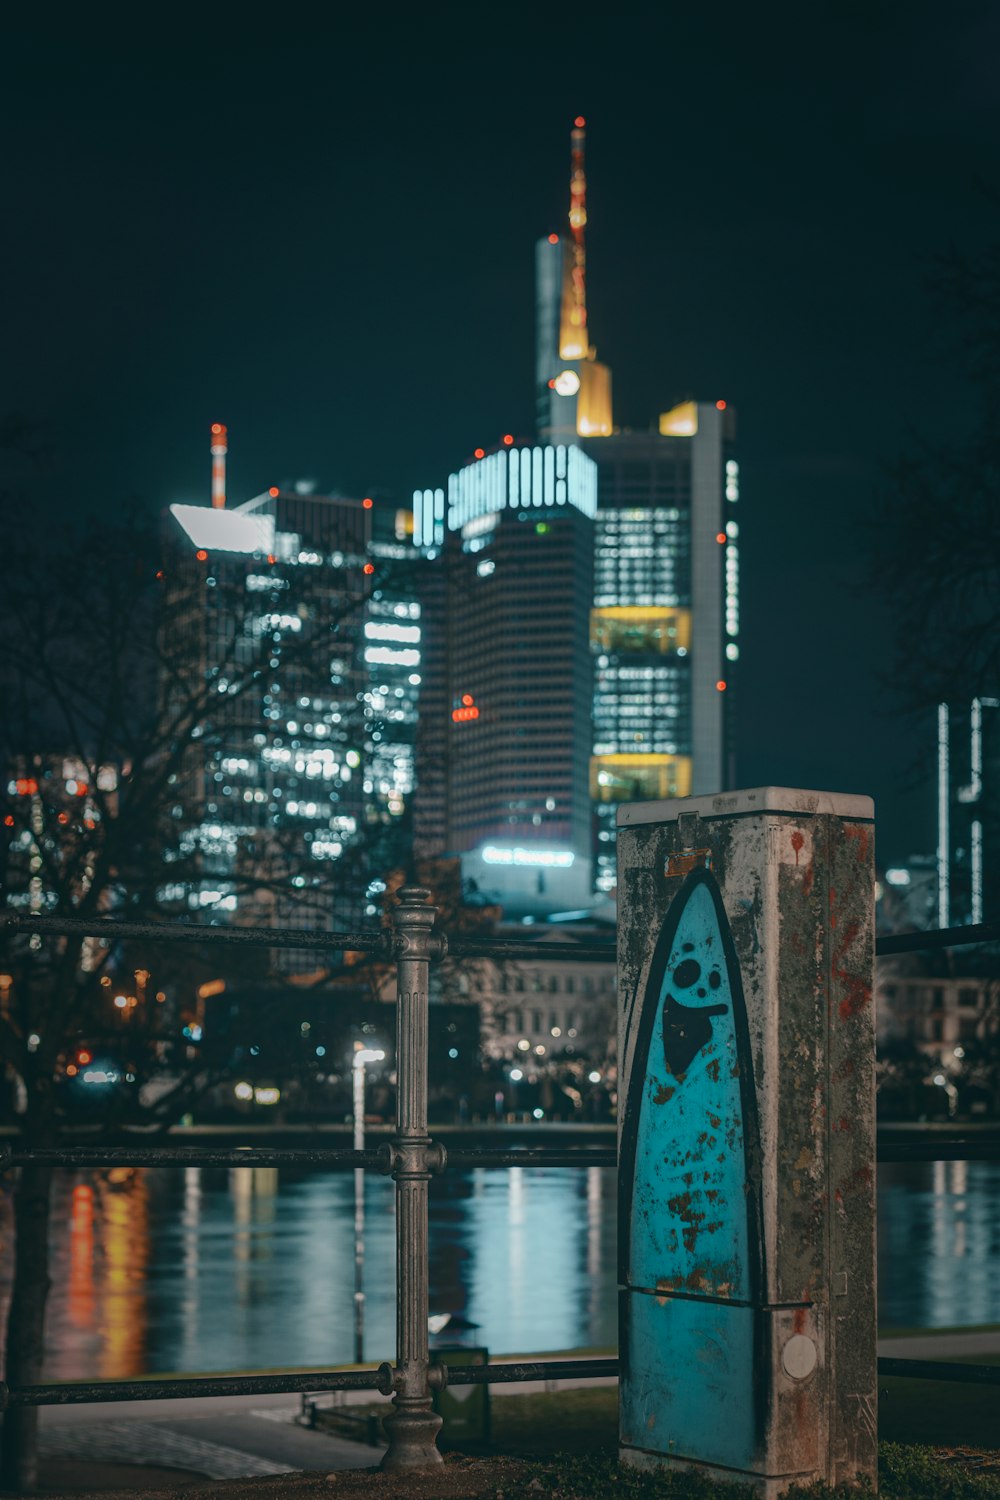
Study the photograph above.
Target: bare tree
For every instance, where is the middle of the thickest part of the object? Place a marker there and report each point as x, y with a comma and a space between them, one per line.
936, 528
120, 685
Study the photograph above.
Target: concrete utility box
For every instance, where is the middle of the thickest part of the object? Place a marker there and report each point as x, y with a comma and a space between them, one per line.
747, 1136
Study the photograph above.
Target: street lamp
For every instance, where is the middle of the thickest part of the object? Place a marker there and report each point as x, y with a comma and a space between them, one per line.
362, 1056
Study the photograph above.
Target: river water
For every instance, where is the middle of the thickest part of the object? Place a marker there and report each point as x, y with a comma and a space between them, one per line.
198, 1270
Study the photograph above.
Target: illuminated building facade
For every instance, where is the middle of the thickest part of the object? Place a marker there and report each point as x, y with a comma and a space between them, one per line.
288, 799
558, 686
664, 626
506, 706
968, 813
665, 623
573, 389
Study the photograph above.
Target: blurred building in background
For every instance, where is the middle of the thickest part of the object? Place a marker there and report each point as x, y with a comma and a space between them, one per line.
664, 628
288, 799
506, 703
560, 685
968, 813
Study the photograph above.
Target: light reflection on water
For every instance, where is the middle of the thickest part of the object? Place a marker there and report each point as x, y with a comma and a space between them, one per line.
939, 1244
196, 1270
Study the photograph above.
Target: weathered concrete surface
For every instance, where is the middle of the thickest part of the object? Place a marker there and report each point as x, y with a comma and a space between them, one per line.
748, 1325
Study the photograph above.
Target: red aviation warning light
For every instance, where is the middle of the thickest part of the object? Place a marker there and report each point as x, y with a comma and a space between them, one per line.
465, 711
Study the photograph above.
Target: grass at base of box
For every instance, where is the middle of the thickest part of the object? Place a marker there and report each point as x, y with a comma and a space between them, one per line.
905, 1473
567, 1441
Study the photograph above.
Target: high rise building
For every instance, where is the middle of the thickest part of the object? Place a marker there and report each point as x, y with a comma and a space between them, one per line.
664, 625
583, 657
293, 784
968, 842
506, 705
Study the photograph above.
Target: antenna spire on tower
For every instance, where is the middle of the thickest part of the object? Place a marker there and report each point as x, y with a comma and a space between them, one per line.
219, 450
574, 336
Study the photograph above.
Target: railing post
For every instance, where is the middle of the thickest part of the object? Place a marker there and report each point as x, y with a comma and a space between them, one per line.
413, 1426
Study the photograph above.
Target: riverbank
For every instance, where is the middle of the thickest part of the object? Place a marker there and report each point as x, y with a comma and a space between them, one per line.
231, 1446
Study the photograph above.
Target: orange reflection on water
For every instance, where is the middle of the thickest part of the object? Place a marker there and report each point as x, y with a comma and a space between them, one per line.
124, 1252
81, 1301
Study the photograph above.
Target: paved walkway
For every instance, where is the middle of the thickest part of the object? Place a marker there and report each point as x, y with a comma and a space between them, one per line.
222, 1438
241, 1436
226, 1437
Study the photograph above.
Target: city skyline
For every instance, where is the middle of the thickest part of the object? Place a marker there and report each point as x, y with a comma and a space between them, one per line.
755, 228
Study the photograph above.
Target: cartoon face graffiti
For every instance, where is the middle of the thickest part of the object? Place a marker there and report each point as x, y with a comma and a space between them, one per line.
689, 1138
690, 1244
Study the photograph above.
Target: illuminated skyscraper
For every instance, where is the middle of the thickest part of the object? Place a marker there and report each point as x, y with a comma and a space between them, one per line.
664, 625
506, 706
968, 844
293, 782
573, 388
582, 618
665, 622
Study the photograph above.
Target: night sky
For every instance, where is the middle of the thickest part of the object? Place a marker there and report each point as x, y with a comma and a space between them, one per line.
322, 234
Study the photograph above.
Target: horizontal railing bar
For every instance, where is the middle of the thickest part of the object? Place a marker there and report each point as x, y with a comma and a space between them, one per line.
378, 1159
378, 943
539, 1369
937, 937
507, 948
82, 1392
533, 1156
942, 1148
192, 1156
938, 1369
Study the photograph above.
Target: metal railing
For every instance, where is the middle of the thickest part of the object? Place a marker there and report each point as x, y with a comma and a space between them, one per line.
411, 1158
952, 1147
